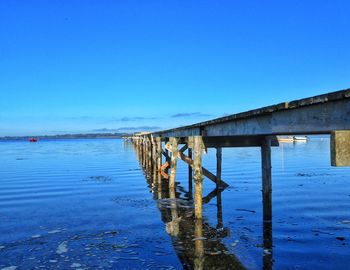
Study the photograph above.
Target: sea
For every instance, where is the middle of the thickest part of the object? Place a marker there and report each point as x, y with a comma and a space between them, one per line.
89, 204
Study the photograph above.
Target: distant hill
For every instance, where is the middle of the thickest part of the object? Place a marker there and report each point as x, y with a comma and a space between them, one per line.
67, 136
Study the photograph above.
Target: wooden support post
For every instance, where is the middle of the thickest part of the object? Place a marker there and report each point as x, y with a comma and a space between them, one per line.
154, 157
206, 173
144, 143
149, 155
174, 153
190, 175
267, 201
139, 151
145, 153
340, 148
159, 153
218, 166
266, 177
166, 150
167, 154
198, 175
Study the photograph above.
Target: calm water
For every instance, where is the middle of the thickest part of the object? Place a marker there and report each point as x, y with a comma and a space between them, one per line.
86, 204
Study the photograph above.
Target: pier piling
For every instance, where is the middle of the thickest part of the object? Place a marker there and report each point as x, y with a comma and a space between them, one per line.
173, 148
198, 175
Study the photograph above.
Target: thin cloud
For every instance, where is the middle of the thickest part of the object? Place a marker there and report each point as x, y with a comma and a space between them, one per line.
128, 129
105, 130
135, 118
193, 114
139, 128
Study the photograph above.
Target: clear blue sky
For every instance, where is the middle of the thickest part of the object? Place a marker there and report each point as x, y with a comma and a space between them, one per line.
80, 66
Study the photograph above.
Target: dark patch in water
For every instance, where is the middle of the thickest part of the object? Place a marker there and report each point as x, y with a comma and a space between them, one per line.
246, 210
99, 178
312, 174
137, 203
340, 238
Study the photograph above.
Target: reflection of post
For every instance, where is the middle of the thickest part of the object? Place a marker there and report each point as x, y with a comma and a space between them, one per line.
159, 186
220, 223
267, 233
190, 188
198, 245
267, 202
218, 178
172, 227
198, 175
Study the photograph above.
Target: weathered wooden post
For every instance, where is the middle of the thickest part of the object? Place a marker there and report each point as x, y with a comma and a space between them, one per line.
266, 177
198, 175
144, 151
139, 151
149, 155
173, 147
154, 156
190, 175
159, 153
267, 200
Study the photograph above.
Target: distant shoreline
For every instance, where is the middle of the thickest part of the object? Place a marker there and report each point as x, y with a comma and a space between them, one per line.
67, 136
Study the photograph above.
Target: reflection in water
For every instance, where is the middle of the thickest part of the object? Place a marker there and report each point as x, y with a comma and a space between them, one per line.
198, 245
267, 232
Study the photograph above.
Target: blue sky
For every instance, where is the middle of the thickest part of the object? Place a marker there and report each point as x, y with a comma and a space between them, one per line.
83, 66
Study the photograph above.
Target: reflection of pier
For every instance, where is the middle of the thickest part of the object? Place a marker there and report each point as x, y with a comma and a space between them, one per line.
159, 151
197, 244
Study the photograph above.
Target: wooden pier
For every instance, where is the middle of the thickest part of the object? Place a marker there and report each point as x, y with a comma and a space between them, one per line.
160, 151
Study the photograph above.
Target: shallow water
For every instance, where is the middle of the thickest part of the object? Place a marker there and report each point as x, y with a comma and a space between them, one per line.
86, 204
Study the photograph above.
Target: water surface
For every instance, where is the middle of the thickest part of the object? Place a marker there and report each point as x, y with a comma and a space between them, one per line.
87, 204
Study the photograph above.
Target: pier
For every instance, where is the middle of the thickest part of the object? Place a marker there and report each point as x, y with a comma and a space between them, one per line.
159, 152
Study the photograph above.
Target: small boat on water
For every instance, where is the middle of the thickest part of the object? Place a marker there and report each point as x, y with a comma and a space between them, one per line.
300, 138
33, 139
285, 139
292, 138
